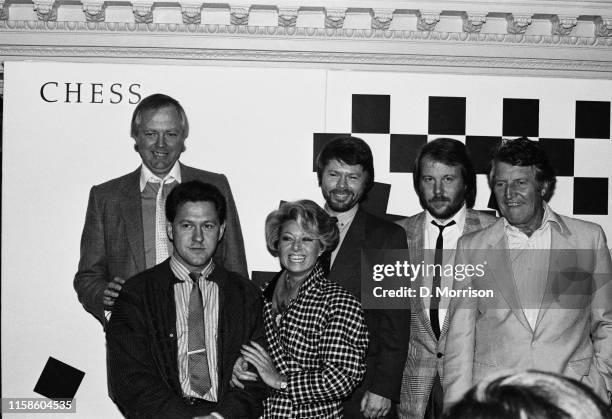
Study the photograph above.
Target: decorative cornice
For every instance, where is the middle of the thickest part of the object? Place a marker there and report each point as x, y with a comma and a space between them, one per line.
518, 23
143, 11
473, 21
297, 33
287, 17
603, 26
239, 15
563, 25
334, 18
94, 11
381, 18
46, 10
427, 20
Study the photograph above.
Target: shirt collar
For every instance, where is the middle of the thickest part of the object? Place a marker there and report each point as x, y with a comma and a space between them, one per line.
343, 217
146, 174
459, 218
549, 217
182, 273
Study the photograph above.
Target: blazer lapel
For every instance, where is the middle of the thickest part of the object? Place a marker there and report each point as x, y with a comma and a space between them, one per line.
355, 236
501, 269
131, 212
562, 255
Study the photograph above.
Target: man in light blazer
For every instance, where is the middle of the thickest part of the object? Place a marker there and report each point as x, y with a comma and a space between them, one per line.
548, 309
445, 181
124, 230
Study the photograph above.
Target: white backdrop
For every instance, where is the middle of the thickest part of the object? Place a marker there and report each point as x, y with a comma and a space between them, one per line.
253, 124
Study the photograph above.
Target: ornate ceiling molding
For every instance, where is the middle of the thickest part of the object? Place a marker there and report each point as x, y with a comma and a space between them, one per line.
549, 38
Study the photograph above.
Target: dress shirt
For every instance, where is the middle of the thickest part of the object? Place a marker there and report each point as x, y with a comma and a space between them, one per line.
344, 222
210, 296
146, 175
450, 235
530, 263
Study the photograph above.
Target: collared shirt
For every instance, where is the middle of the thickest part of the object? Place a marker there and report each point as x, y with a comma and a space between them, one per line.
210, 296
344, 222
146, 175
450, 235
530, 262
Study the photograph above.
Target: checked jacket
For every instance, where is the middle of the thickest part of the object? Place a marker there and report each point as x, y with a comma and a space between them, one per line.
319, 345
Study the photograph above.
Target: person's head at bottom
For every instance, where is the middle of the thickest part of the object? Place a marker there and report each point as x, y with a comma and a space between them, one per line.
529, 395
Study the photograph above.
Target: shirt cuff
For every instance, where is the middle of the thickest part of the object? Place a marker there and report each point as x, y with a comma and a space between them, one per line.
216, 415
107, 314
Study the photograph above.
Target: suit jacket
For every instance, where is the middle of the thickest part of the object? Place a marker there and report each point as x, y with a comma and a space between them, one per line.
423, 360
388, 329
142, 349
112, 243
573, 332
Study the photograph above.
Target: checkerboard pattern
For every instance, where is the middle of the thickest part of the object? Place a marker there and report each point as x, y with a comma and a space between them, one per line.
586, 184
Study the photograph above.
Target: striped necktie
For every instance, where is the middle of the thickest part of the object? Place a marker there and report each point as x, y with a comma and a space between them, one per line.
199, 375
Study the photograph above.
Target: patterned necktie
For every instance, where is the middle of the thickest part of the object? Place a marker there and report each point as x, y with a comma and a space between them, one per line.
161, 241
434, 304
199, 375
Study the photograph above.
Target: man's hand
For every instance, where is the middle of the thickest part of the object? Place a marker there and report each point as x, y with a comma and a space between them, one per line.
112, 292
240, 373
374, 406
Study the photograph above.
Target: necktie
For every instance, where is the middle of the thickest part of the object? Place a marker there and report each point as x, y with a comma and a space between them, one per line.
437, 280
161, 241
199, 375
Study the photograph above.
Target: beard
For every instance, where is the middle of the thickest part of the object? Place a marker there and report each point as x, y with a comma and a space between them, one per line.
444, 212
340, 206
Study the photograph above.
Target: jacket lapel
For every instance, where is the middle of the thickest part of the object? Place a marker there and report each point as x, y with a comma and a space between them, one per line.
561, 257
501, 269
131, 212
355, 236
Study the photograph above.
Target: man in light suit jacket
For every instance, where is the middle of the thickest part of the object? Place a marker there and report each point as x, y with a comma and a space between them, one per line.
124, 229
345, 171
445, 180
547, 309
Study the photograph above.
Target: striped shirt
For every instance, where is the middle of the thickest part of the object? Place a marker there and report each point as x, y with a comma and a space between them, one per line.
210, 296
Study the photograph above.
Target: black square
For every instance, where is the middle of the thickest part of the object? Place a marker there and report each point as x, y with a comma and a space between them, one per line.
591, 196
319, 141
492, 204
404, 150
480, 149
371, 114
58, 380
521, 118
592, 119
377, 199
560, 152
446, 115
261, 278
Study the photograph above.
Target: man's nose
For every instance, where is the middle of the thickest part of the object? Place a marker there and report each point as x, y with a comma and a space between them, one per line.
509, 191
342, 181
161, 141
198, 235
438, 188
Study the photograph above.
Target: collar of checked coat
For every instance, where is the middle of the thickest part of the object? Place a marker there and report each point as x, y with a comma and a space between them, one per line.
316, 276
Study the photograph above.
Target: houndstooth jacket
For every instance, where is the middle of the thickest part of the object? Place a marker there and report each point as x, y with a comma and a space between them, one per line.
319, 345
425, 352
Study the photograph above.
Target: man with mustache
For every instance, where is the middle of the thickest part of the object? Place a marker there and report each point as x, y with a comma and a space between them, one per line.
125, 224
445, 181
551, 280
345, 170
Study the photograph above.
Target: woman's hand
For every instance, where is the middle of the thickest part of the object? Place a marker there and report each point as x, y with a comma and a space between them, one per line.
257, 356
241, 373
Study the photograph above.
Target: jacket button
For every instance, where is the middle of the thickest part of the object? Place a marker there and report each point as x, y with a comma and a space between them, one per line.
439, 354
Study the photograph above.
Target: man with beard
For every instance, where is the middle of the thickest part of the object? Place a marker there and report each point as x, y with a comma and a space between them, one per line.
345, 170
445, 181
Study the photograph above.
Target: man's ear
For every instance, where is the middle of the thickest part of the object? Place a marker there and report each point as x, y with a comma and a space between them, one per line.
169, 230
221, 232
544, 188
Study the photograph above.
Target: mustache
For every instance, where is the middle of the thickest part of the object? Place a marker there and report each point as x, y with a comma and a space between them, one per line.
439, 199
341, 191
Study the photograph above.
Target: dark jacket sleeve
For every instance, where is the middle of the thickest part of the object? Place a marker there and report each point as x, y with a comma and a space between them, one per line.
233, 255
247, 402
393, 335
91, 278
